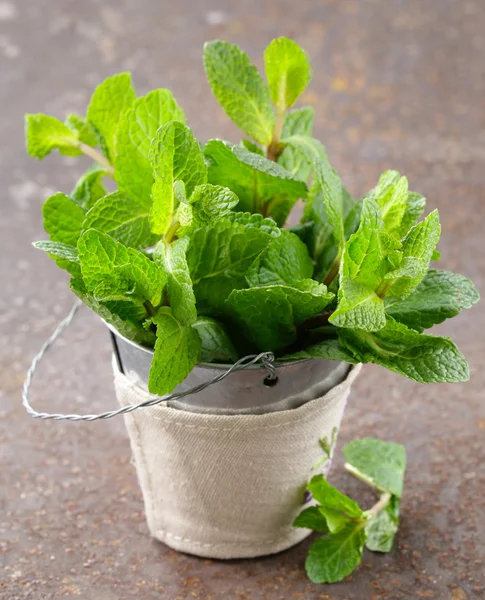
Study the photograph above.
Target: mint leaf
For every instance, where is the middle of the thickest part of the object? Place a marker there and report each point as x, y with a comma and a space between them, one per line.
362, 270
269, 315
82, 129
441, 295
334, 556
211, 202
381, 529
63, 219
134, 136
44, 134
391, 194
418, 245
330, 498
422, 358
311, 518
89, 187
216, 345
172, 257
255, 221
255, 180
288, 71
176, 353
414, 208
123, 218
113, 272
65, 255
326, 178
240, 89
285, 261
252, 147
382, 463
298, 122
218, 258
328, 349
126, 317
175, 156
111, 99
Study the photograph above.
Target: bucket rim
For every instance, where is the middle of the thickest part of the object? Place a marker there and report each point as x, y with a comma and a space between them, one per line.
205, 365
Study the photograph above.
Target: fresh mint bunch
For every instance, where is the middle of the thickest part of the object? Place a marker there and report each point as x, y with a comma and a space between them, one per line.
190, 255
348, 528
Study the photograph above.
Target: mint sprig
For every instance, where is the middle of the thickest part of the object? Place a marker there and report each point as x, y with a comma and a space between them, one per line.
348, 528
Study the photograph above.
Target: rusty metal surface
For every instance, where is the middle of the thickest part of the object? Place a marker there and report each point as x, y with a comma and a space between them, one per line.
397, 83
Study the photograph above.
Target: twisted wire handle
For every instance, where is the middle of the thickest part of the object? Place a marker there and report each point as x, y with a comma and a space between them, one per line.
266, 359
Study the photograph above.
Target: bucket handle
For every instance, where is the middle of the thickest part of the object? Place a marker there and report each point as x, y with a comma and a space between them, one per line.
266, 359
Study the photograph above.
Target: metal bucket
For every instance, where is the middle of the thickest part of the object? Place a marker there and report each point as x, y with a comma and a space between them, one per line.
243, 391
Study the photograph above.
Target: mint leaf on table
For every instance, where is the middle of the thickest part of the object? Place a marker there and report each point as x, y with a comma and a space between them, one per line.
333, 557
176, 352
422, 358
63, 219
216, 345
364, 265
45, 133
125, 219
175, 156
288, 71
441, 295
172, 257
417, 248
240, 89
256, 181
137, 128
89, 187
285, 261
110, 100
82, 129
219, 258
331, 498
111, 271
126, 317
312, 518
269, 315
381, 529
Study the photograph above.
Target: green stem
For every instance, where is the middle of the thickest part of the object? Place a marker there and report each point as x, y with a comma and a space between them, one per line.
333, 271
379, 506
98, 157
384, 287
171, 232
275, 148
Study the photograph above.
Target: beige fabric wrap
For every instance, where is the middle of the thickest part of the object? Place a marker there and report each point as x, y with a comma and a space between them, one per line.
227, 486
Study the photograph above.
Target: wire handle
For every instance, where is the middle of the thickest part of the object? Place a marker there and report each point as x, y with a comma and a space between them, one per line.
265, 358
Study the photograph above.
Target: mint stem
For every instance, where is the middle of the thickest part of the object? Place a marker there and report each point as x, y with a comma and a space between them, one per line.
98, 157
379, 506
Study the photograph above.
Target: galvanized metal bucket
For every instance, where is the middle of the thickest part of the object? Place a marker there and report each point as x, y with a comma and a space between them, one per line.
248, 391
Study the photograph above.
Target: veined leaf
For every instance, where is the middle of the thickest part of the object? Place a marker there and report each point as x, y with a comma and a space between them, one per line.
63, 219
82, 129
380, 530
312, 518
45, 133
89, 187
216, 345
329, 349
329, 497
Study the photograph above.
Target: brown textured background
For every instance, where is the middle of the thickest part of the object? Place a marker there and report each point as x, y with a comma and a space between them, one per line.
397, 83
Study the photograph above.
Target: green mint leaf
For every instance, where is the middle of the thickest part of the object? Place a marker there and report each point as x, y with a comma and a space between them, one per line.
89, 187
240, 89
298, 122
288, 71
113, 272
219, 258
125, 316
63, 219
175, 156
422, 358
124, 218
414, 209
254, 179
173, 260
362, 270
211, 202
418, 245
334, 556
382, 463
111, 99
44, 134
329, 349
381, 529
441, 295
269, 315
252, 147
176, 353
311, 518
82, 129
326, 178
59, 250
285, 261
391, 194
330, 498
255, 221
216, 346
137, 128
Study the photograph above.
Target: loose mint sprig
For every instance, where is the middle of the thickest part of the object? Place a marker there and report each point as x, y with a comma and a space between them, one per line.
348, 528
190, 255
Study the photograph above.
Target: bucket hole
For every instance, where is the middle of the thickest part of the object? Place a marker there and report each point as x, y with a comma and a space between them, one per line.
270, 381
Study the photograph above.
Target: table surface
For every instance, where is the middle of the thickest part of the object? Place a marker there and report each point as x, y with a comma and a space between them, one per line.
397, 84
